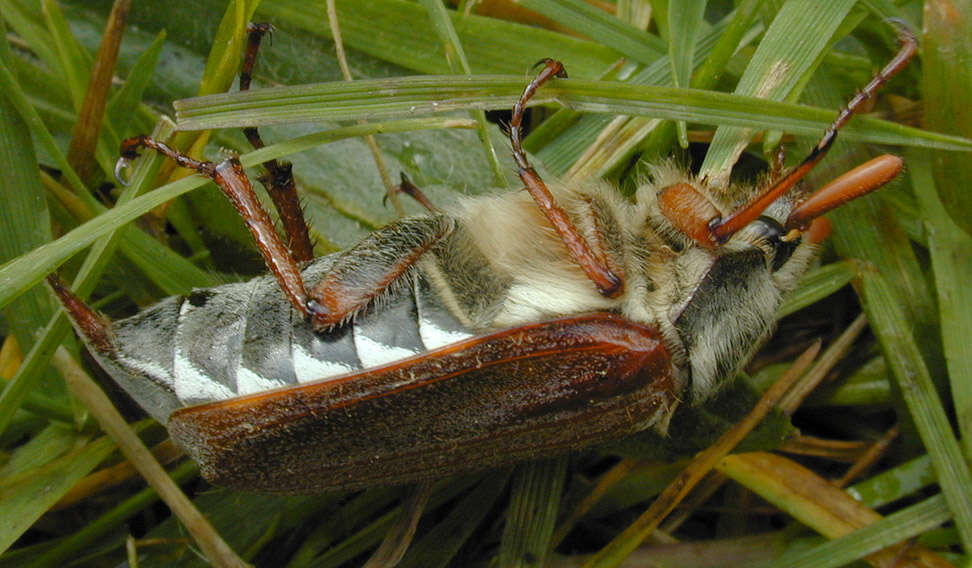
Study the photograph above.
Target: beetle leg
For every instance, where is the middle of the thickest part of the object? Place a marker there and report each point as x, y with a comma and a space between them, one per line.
231, 179
592, 261
362, 273
279, 177
411, 190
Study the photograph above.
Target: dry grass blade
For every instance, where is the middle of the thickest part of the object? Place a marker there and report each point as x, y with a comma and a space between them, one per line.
100, 481
817, 503
85, 389
626, 542
605, 482
398, 539
86, 130
792, 399
874, 452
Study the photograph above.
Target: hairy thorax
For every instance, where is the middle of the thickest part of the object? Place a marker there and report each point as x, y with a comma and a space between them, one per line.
504, 265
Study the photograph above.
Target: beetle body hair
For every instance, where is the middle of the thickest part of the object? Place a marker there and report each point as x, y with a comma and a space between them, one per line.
496, 264
714, 308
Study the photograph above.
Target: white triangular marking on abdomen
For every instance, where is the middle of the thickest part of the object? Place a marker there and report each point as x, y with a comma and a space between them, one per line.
308, 368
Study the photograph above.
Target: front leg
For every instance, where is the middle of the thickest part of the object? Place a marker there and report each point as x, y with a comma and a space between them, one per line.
591, 259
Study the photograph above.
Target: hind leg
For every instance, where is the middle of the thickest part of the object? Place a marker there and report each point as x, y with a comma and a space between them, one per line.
279, 177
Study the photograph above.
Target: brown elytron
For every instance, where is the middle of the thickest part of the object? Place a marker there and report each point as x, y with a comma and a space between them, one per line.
611, 367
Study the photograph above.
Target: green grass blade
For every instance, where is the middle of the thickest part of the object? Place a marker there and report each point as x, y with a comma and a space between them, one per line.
951, 255
223, 64
24, 218
16, 96
595, 23
408, 96
75, 545
947, 80
534, 505
895, 483
25, 498
684, 20
27, 21
882, 306
57, 327
375, 28
817, 285
898, 527
20, 274
456, 57
714, 48
794, 42
123, 105
163, 266
74, 61
439, 546
884, 9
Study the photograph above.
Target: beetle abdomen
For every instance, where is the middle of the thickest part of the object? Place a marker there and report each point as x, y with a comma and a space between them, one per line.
245, 338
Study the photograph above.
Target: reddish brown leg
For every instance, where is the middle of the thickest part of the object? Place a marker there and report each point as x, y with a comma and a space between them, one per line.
279, 177
412, 190
592, 262
231, 179
362, 273
779, 163
722, 229
355, 279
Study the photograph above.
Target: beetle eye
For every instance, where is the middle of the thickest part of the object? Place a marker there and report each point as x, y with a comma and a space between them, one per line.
767, 228
772, 233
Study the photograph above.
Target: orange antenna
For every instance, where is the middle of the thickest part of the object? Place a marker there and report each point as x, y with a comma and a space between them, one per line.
722, 229
862, 180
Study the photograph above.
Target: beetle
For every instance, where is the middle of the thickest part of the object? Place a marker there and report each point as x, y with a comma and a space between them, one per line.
511, 327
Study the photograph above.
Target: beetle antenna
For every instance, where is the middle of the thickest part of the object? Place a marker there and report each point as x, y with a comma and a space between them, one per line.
862, 180
722, 229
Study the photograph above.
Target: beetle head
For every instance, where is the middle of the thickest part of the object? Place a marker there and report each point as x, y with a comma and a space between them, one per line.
737, 253
695, 214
